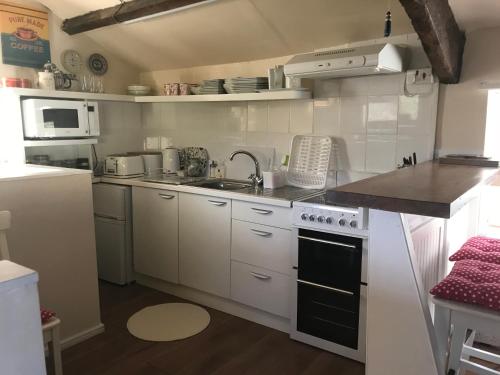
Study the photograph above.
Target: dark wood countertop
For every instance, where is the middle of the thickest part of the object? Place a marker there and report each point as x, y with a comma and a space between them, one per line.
428, 189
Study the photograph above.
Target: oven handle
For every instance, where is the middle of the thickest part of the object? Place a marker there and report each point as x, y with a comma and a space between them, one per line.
325, 287
327, 242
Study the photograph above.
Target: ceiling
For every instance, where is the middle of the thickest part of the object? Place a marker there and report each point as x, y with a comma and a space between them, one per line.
476, 14
237, 30
241, 30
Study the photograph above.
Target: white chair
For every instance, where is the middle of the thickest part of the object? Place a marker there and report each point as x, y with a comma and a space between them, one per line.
453, 322
51, 328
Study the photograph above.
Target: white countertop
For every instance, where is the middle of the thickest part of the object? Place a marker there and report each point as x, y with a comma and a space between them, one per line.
13, 275
29, 171
255, 198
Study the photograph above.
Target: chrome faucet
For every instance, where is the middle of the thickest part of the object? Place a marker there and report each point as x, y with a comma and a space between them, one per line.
256, 178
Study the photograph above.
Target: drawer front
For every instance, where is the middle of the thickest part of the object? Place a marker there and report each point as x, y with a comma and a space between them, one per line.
263, 214
260, 245
260, 288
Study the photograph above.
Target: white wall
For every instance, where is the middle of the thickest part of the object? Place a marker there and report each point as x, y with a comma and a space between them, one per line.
116, 80
462, 107
372, 121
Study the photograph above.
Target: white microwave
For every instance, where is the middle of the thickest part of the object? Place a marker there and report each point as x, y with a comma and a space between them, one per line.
50, 118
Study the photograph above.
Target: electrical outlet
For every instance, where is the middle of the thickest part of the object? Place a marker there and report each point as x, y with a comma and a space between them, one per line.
420, 76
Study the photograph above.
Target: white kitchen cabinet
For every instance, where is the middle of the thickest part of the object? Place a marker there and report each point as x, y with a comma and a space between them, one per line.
204, 243
262, 246
260, 288
156, 238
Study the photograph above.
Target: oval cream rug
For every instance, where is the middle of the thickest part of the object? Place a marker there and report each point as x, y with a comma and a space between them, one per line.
168, 322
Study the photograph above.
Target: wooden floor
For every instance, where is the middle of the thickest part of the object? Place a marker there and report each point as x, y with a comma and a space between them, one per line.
229, 345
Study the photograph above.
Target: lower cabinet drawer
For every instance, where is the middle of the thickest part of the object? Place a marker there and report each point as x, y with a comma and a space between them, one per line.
260, 288
262, 246
262, 214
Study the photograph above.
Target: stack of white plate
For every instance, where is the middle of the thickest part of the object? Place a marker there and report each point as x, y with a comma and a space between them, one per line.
138, 90
241, 85
212, 86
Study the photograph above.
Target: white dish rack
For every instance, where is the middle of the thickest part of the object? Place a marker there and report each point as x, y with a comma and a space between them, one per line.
309, 161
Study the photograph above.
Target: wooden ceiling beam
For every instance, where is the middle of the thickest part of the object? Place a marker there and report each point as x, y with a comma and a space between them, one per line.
128, 11
443, 41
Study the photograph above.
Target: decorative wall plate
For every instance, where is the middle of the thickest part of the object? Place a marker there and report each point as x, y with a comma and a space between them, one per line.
72, 61
98, 64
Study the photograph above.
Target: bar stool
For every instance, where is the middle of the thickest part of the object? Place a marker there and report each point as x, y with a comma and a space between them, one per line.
457, 324
50, 329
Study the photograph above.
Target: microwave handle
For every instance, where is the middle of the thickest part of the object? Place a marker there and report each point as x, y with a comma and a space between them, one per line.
93, 118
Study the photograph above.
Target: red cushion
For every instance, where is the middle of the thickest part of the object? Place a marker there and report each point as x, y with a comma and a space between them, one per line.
46, 315
473, 282
480, 248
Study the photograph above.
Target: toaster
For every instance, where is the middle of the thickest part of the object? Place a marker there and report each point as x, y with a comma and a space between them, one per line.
123, 165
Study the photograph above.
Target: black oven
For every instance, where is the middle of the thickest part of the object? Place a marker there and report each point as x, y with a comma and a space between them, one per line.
328, 286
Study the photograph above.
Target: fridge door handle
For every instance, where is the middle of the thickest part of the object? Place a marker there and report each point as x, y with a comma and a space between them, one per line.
110, 217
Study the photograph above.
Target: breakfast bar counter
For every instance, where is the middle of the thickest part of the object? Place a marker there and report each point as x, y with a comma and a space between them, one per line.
405, 261
427, 189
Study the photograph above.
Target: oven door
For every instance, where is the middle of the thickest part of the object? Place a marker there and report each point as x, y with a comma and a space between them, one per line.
44, 118
328, 287
330, 260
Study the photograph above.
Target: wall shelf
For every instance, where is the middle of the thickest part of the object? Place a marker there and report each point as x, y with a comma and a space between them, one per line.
59, 94
271, 95
60, 142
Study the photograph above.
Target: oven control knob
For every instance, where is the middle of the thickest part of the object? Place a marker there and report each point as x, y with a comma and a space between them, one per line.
329, 220
304, 216
321, 219
312, 217
353, 224
342, 222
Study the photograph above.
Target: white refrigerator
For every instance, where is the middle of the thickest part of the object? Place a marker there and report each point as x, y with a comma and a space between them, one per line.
113, 231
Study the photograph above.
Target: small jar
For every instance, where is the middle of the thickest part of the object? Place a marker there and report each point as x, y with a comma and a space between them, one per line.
174, 89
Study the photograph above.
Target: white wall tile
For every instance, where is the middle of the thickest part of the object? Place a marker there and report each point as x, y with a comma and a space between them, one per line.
301, 117
257, 116
326, 88
346, 177
382, 114
351, 152
327, 117
151, 115
131, 115
373, 85
380, 153
234, 116
279, 116
422, 145
354, 87
168, 116
417, 114
353, 113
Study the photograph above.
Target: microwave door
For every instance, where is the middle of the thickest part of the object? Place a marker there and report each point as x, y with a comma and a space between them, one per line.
60, 122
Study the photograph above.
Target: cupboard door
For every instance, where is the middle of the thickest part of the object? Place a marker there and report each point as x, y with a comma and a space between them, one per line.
155, 226
204, 243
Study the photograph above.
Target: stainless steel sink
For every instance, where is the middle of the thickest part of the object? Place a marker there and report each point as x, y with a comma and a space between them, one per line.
224, 184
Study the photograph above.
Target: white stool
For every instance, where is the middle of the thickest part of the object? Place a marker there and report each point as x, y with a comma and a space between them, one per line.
52, 340
452, 321
51, 328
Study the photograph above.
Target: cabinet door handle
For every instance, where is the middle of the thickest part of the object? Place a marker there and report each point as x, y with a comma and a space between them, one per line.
261, 233
166, 196
260, 276
218, 203
261, 211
